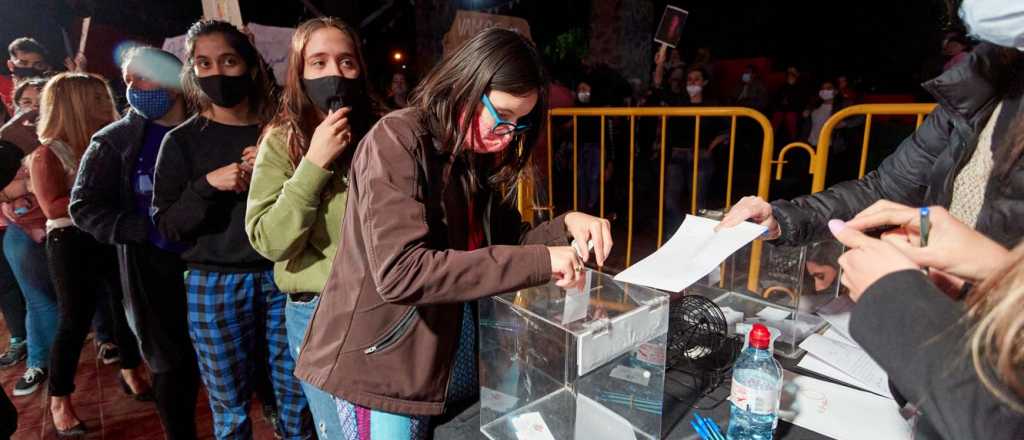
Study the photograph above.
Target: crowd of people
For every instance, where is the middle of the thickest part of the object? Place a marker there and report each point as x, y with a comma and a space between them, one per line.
328, 245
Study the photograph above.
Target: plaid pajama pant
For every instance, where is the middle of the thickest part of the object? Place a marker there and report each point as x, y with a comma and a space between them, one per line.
232, 317
361, 423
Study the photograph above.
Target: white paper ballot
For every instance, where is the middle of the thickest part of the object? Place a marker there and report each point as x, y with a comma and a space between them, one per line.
773, 314
840, 412
531, 426
851, 360
577, 301
693, 252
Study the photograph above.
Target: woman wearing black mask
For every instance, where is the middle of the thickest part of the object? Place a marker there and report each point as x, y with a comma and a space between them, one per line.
202, 172
298, 190
111, 201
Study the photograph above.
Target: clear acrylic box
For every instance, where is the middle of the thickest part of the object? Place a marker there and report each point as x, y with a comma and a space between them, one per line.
792, 284
585, 364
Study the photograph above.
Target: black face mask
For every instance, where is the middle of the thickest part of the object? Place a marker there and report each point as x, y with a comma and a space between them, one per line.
27, 72
226, 91
334, 92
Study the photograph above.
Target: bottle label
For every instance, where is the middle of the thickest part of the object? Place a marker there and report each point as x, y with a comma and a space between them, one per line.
761, 402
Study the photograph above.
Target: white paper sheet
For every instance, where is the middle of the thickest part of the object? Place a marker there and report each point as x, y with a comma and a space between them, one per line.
692, 252
849, 359
577, 301
773, 314
732, 317
812, 363
840, 412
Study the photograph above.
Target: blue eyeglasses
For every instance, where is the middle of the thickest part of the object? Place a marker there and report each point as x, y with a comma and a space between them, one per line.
501, 126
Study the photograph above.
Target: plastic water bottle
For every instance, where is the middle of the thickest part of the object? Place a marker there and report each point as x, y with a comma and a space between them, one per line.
756, 389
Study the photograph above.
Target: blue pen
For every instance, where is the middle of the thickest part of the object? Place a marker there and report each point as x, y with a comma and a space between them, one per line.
709, 426
926, 227
700, 431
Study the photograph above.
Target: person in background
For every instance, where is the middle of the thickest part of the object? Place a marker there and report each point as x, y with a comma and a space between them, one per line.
955, 47
398, 91
786, 106
417, 250
823, 106
235, 311
10, 163
846, 90
111, 200
73, 106
968, 357
27, 59
25, 253
12, 301
751, 91
299, 184
680, 143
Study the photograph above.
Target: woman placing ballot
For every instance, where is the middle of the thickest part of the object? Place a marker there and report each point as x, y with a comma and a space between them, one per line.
966, 369
428, 229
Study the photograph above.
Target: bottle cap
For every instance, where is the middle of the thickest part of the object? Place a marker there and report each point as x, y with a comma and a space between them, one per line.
760, 337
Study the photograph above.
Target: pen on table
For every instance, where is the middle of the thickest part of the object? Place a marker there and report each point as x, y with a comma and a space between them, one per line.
699, 429
925, 229
710, 426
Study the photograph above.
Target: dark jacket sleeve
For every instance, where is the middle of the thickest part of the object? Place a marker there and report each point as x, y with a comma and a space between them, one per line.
96, 198
392, 221
181, 201
902, 177
927, 357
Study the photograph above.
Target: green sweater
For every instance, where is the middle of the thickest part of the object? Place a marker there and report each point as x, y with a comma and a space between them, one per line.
293, 216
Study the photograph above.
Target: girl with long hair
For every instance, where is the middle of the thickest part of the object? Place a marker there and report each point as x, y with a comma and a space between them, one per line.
429, 229
72, 108
298, 191
235, 312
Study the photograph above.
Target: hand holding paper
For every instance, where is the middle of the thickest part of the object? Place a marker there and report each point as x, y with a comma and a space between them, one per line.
694, 251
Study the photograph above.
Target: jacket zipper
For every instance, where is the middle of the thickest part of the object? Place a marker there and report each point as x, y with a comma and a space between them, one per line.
394, 334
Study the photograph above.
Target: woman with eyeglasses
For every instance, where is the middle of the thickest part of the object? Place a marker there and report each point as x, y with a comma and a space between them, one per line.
428, 229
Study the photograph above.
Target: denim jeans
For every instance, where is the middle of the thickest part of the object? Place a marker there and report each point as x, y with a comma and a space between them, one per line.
28, 262
321, 404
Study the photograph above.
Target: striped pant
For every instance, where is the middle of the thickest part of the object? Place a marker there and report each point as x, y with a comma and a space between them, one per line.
233, 317
361, 423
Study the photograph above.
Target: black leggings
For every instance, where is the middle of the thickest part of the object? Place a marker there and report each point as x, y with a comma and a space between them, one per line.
155, 299
82, 269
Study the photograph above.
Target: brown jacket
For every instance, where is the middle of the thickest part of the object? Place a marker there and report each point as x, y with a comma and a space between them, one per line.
385, 332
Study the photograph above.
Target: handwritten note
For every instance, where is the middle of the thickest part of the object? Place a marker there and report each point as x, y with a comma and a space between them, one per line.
850, 360
692, 252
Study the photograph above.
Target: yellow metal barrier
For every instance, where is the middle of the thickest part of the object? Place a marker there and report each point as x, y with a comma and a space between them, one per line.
819, 159
819, 156
663, 113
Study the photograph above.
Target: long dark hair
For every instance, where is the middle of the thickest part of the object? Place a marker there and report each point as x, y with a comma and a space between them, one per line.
495, 59
297, 114
262, 97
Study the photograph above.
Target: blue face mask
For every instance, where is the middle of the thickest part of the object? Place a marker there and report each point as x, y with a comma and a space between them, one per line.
151, 104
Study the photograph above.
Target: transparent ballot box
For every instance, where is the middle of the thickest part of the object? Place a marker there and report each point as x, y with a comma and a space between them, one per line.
585, 363
788, 289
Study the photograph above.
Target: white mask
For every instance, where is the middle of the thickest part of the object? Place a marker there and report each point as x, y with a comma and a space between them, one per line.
746, 77
827, 94
996, 21
584, 97
694, 90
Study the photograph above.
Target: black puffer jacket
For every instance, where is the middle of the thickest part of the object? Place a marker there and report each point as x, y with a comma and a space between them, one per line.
922, 169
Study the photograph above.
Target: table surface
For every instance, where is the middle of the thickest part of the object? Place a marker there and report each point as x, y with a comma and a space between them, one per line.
675, 420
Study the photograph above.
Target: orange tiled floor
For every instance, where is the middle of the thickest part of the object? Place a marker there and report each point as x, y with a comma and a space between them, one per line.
106, 410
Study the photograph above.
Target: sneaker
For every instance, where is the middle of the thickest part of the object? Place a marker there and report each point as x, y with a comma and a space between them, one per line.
15, 353
109, 353
29, 381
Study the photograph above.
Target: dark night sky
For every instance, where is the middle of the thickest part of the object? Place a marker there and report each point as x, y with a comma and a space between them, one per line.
889, 44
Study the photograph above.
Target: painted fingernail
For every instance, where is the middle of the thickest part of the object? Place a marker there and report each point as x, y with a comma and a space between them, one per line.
836, 225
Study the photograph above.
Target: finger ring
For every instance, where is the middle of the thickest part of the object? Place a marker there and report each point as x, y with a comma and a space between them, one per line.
578, 268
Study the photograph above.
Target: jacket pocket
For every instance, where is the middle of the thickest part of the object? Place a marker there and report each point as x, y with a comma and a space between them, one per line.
394, 333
